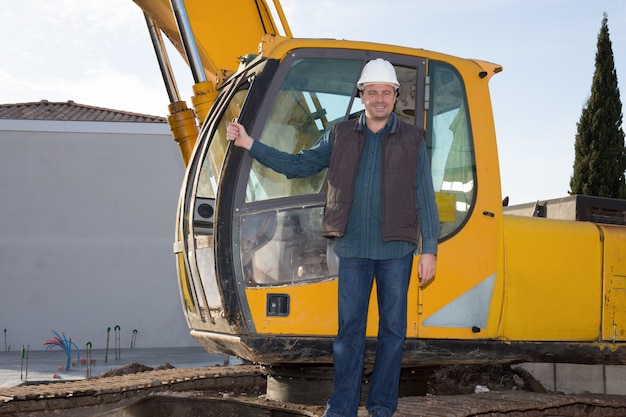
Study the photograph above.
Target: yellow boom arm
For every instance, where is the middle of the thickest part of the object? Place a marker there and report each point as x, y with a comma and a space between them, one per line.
212, 37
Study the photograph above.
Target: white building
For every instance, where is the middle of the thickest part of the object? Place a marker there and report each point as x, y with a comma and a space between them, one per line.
88, 199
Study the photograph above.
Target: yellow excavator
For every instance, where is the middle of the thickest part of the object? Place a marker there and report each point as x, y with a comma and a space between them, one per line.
258, 281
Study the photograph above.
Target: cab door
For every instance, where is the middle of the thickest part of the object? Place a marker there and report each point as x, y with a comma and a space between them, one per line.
288, 269
463, 301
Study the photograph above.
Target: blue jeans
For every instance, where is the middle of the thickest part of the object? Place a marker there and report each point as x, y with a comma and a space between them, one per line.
356, 276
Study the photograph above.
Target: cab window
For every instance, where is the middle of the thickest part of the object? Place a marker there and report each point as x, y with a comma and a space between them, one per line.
315, 94
449, 138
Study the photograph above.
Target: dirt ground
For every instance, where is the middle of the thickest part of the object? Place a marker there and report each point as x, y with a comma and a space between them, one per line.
133, 368
467, 379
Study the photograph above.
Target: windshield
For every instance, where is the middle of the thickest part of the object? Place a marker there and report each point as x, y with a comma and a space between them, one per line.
315, 94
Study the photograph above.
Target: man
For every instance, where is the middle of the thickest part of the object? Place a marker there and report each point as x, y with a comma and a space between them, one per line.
380, 197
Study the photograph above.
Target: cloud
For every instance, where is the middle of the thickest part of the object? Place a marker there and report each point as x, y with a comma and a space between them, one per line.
90, 51
103, 87
112, 88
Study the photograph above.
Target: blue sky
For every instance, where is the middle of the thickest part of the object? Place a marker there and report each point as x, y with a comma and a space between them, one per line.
99, 53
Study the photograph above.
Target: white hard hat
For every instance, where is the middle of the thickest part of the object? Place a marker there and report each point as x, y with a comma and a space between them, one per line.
378, 71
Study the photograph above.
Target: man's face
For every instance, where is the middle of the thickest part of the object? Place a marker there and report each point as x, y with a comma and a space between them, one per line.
378, 100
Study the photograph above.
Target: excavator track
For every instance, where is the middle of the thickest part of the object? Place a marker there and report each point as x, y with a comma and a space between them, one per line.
239, 391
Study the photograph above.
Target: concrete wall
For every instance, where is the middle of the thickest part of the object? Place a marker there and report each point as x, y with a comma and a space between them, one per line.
87, 213
577, 379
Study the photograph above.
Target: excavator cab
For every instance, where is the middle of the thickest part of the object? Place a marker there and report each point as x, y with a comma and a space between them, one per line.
255, 272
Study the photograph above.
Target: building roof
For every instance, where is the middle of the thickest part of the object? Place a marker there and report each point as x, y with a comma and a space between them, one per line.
70, 111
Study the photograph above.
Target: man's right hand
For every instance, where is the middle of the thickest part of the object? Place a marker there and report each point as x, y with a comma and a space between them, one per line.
237, 134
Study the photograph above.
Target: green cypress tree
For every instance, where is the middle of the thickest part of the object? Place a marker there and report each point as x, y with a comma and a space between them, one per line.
600, 156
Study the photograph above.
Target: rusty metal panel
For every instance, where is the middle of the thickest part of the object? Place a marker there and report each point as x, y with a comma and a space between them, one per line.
614, 279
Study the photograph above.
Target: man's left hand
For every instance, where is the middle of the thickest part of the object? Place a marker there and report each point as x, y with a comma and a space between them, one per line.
426, 268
